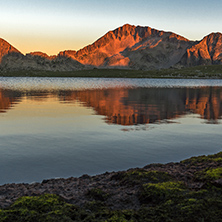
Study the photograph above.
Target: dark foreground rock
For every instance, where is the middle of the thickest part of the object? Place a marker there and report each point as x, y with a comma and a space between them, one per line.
187, 191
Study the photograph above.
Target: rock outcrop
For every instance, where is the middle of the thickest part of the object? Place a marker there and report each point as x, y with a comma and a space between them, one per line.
6, 49
206, 52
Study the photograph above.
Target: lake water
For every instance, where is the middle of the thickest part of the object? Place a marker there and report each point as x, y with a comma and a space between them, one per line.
62, 127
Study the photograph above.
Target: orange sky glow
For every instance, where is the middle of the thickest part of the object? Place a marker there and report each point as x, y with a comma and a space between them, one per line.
54, 26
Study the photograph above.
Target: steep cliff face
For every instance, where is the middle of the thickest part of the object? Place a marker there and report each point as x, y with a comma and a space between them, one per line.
206, 52
67, 53
6, 48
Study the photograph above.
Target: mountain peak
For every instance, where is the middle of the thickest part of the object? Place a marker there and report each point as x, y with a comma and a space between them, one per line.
114, 47
127, 25
215, 33
208, 51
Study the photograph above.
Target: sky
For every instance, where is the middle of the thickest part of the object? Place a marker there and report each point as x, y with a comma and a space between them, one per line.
52, 26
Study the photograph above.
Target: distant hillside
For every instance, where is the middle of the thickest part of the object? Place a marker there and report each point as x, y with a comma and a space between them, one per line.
131, 47
12, 60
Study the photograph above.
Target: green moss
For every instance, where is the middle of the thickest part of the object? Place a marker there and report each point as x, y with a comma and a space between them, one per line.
206, 209
209, 174
162, 198
96, 206
140, 176
204, 205
98, 194
100, 212
152, 176
219, 159
201, 159
116, 218
177, 204
156, 193
41, 208
214, 174
122, 216
43, 203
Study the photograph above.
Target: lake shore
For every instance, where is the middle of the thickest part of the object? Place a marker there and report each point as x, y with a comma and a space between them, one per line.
197, 72
154, 192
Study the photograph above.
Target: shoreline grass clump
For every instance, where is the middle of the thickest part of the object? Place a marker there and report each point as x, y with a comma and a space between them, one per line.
196, 72
156, 193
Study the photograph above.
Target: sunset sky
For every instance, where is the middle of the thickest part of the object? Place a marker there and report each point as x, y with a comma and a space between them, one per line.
54, 25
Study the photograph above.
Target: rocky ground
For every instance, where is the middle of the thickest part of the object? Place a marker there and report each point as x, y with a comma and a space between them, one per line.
189, 184
122, 187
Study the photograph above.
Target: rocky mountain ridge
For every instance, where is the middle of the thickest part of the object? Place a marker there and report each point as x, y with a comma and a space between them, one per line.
6, 48
208, 51
131, 47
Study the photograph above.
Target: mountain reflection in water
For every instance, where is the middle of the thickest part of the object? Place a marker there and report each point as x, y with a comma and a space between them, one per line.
131, 106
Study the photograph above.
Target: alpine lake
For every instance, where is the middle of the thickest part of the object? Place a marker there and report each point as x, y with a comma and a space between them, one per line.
63, 127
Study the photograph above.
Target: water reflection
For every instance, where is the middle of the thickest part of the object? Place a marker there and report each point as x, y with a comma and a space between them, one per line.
8, 98
131, 106
55, 128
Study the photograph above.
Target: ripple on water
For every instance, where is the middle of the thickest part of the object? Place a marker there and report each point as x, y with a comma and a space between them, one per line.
39, 83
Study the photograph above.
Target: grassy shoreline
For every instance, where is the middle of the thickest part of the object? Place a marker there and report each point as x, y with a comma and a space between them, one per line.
197, 72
